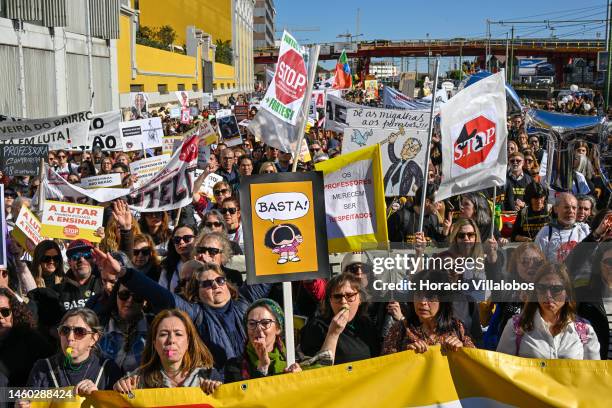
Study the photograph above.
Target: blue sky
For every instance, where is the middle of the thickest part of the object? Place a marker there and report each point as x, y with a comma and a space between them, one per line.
442, 19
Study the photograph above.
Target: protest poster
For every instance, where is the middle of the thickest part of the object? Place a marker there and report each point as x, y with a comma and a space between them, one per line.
175, 112
371, 89
335, 112
207, 98
403, 155
28, 230
71, 221
318, 98
147, 168
208, 183
171, 143
354, 200
59, 132
183, 98
139, 105
287, 90
214, 106
104, 132
241, 112
283, 216
102, 181
228, 128
3, 260
376, 118
141, 134
22, 160
185, 116
393, 99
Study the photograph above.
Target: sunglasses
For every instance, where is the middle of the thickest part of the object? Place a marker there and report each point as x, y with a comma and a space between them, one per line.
5, 312
464, 235
354, 268
185, 238
47, 259
222, 191
516, 161
555, 290
350, 297
124, 295
264, 323
61, 156
268, 172
209, 250
154, 214
10, 195
79, 332
142, 251
231, 210
208, 283
211, 224
78, 255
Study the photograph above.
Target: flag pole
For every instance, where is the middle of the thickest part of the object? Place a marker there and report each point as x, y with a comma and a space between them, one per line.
428, 148
493, 211
287, 292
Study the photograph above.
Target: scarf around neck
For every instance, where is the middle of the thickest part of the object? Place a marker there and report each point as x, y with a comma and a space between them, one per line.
278, 360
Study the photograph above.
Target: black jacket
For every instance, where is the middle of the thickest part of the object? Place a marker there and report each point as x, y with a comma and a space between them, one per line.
72, 295
595, 313
19, 350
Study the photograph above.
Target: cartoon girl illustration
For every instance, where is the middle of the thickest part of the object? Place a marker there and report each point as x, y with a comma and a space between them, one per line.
284, 239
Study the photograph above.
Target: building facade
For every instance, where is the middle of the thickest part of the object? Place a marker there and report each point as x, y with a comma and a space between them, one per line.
383, 69
242, 40
263, 24
58, 56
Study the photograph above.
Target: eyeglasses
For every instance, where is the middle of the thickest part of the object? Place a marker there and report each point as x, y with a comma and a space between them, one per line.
10, 195
124, 295
47, 259
222, 191
231, 210
208, 283
211, 224
555, 290
5, 312
61, 156
78, 255
464, 235
79, 332
530, 261
356, 267
350, 297
264, 323
268, 172
516, 161
209, 250
153, 214
142, 251
185, 238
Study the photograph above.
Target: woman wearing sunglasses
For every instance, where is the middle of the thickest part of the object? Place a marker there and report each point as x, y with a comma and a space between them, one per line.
230, 209
548, 326
180, 250
20, 343
156, 224
125, 329
430, 321
216, 248
174, 356
343, 328
47, 264
213, 303
77, 363
145, 257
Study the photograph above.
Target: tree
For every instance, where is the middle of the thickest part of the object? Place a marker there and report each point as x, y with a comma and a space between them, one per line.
455, 74
166, 35
224, 52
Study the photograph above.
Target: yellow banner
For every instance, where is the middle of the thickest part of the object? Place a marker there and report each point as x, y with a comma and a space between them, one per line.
468, 377
354, 200
71, 221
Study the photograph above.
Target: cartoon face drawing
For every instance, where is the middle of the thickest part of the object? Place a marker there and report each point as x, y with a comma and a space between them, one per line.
411, 148
284, 240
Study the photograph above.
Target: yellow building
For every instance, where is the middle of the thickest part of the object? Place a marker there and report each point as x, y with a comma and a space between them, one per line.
198, 24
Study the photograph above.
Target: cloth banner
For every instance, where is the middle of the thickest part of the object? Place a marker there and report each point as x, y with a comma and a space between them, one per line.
468, 378
104, 132
473, 126
59, 132
335, 112
393, 98
354, 200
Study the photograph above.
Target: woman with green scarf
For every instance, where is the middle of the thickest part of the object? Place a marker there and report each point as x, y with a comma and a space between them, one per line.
265, 353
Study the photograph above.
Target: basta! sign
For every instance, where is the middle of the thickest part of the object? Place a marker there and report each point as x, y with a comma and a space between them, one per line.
475, 142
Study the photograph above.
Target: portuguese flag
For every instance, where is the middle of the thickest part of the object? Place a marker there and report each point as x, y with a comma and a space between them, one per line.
343, 78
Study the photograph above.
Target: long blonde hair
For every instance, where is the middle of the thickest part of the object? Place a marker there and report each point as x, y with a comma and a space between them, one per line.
112, 236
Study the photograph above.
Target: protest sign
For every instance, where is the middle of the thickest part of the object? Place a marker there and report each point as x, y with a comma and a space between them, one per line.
403, 155
318, 98
395, 99
171, 143
354, 200
22, 160
3, 260
207, 98
141, 134
71, 221
59, 132
175, 112
145, 169
376, 118
209, 182
28, 230
102, 181
183, 98
283, 216
335, 112
371, 89
228, 128
214, 105
139, 105
241, 112
104, 132
185, 116
287, 90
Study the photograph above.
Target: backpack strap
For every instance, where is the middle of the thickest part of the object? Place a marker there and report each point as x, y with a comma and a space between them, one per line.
518, 332
100, 372
55, 383
582, 327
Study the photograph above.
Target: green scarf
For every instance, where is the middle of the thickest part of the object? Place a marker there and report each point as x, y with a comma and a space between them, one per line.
278, 359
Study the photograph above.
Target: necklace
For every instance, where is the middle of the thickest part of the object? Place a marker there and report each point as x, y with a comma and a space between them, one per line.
72, 368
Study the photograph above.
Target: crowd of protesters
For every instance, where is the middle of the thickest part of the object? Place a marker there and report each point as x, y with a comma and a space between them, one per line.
157, 304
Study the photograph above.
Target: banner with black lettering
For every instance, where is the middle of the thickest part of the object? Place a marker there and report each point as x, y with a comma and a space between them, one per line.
104, 132
335, 113
59, 132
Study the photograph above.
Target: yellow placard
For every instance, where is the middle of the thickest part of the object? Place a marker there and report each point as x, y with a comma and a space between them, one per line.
71, 221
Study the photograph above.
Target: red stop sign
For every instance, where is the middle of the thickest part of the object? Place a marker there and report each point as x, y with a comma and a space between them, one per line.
475, 142
290, 78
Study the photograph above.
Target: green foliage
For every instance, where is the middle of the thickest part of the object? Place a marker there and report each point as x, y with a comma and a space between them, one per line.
224, 52
157, 37
454, 74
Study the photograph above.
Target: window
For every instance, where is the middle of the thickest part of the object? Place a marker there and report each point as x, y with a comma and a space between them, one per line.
162, 89
180, 87
194, 87
214, 87
136, 88
222, 85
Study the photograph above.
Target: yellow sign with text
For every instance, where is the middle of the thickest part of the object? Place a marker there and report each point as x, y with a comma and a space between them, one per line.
71, 221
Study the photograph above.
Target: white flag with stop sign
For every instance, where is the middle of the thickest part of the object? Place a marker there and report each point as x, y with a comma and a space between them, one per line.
474, 137
287, 89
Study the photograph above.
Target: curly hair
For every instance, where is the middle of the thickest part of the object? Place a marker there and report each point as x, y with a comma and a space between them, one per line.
226, 248
192, 289
22, 316
112, 236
